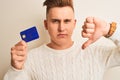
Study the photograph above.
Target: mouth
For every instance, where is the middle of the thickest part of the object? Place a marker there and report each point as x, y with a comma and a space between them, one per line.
62, 35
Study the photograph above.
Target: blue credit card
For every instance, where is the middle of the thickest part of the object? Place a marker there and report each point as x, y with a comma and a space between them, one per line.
29, 34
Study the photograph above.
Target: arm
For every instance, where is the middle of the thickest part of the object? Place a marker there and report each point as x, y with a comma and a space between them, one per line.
93, 29
114, 59
14, 74
18, 58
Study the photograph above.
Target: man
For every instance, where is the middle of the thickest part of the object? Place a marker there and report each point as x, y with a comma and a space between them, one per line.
62, 58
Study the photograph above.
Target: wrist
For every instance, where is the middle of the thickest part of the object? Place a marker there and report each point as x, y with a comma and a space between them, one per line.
14, 69
112, 29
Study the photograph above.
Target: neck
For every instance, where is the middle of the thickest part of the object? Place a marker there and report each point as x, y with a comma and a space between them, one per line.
60, 46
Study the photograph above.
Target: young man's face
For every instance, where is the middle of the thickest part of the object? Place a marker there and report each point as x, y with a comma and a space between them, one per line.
60, 24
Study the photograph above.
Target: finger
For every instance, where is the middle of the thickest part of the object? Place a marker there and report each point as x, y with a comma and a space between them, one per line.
18, 53
87, 43
89, 31
17, 64
21, 53
19, 58
89, 19
21, 43
86, 35
88, 25
20, 48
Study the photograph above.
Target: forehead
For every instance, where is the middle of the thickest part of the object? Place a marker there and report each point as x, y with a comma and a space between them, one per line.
61, 12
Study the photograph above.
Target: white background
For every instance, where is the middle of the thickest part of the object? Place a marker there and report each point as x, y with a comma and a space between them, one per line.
17, 15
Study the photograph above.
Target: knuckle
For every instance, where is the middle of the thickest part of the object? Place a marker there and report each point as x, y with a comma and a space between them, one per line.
12, 48
13, 52
83, 34
21, 53
14, 57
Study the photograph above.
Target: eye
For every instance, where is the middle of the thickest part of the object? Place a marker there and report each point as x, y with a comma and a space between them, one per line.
55, 21
67, 21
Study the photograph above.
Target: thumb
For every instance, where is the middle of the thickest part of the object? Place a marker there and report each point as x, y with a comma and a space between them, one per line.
87, 43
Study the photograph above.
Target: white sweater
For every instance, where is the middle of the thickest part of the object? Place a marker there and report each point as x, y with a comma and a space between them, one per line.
44, 63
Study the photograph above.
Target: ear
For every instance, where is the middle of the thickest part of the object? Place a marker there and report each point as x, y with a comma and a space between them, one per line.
75, 22
45, 24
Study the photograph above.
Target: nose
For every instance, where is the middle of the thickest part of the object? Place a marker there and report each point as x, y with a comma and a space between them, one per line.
61, 27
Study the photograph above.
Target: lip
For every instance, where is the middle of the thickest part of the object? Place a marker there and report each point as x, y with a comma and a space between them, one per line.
62, 35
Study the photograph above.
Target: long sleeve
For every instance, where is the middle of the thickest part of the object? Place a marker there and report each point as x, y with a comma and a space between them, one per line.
114, 59
14, 74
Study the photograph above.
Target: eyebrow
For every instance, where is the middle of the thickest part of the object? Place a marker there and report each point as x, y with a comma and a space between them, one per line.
55, 19
59, 19
67, 19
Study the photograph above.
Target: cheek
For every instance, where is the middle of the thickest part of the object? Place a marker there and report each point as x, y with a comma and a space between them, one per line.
71, 31
71, 28
52, 31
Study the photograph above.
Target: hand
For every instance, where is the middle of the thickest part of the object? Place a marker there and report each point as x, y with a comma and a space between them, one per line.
93, 29
18, 55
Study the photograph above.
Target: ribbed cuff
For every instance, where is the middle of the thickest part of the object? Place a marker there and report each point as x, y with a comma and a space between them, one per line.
16, 69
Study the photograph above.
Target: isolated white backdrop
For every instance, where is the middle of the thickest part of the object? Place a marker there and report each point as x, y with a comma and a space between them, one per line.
17, 15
